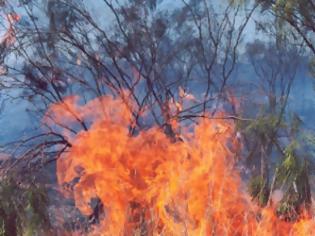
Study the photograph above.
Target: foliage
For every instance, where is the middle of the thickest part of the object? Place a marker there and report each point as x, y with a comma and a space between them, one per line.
293, 179
299, 14
262, 126
23, 208
257, 190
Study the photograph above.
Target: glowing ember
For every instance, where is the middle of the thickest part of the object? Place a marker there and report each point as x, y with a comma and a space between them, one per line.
150, 185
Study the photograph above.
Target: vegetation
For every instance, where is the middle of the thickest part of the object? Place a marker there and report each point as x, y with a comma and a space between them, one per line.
176, 63
23, 208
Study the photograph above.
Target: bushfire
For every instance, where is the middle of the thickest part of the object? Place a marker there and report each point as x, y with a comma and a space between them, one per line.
150, 184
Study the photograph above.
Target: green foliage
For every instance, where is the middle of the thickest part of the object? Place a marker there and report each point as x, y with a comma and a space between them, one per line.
286, 6
239, 2
288, 169
262, 126
295, 124
23, 209
258, 190
299, 14
292, 178
2, 228
289, 7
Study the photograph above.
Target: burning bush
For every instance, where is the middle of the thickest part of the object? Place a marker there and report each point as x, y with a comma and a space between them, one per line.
151, 184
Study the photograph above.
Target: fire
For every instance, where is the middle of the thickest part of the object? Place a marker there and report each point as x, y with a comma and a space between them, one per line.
150, 184
9, 37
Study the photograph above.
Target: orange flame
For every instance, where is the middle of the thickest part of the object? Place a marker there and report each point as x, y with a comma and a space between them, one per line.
150, 185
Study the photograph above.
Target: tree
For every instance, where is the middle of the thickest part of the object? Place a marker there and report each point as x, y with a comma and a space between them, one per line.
145, 55
297, 16
275, 64
176, 64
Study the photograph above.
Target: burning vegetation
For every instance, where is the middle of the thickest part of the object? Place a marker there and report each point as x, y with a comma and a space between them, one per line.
151, 184
157, 117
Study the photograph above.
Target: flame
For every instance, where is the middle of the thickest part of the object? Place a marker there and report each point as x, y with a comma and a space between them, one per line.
150, 184
9, 37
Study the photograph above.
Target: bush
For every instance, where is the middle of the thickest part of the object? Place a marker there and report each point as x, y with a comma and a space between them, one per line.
23, 208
